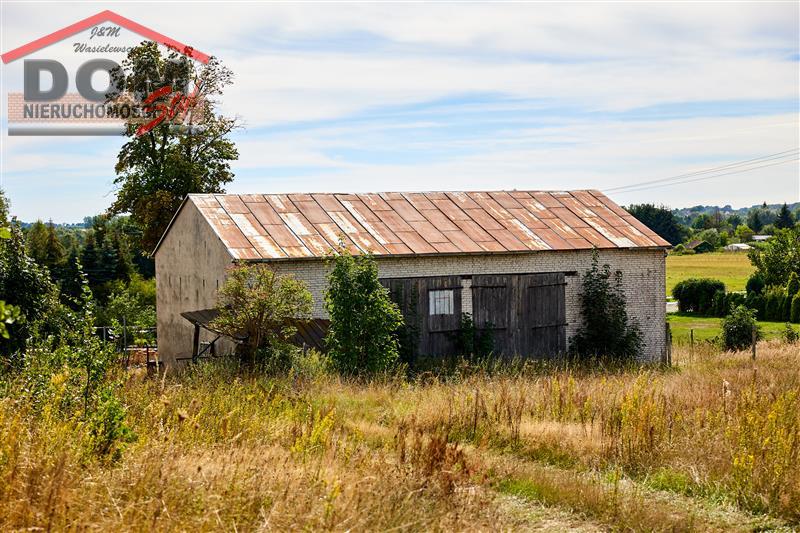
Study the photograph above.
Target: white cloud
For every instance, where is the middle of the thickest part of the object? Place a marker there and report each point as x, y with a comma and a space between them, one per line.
309, 62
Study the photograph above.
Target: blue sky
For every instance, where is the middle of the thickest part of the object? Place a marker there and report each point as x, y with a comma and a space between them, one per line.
408, 96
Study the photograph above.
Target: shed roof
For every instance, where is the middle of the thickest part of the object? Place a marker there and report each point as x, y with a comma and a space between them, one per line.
296, 226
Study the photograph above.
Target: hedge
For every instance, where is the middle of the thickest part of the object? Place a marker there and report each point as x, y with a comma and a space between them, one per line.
696, 295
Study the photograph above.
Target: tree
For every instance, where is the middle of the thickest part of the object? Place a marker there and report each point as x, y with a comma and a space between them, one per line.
778, 257
262, 307
661, 220
754, 220
703, 221
362, 337
44, 246
606, 330
744, 233
27, 286
785, 219
156, 170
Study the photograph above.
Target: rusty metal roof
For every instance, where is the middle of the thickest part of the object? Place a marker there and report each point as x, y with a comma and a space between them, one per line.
294, 226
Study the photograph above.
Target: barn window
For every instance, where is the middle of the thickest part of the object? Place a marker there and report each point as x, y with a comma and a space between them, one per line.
440, 302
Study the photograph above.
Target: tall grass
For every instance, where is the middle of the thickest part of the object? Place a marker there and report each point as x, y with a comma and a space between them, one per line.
218, 449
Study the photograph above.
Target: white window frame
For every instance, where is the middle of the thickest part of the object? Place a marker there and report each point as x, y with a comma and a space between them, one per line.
441, 302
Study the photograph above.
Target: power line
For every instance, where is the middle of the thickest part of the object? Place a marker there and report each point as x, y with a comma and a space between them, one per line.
644, 188
757, 160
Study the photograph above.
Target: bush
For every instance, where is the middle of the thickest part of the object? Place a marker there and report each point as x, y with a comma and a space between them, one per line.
737, 329
733, 299
695, 295
755, 283
773, 305
795, 309
606, 331
362, 337
789, 335
262, 307
718, 304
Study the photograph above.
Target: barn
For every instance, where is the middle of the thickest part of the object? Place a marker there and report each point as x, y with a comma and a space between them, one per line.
511, 259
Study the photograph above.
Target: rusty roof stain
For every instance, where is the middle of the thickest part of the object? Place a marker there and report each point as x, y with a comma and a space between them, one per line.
291, 226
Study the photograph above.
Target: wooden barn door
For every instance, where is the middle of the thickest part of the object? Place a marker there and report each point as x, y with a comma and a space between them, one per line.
491, 310
525, 312
545, 314
431, 309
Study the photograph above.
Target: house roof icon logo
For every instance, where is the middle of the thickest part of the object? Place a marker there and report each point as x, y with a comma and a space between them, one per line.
99, 18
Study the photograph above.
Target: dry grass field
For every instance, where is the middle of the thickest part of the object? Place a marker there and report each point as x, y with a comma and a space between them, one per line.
711, 445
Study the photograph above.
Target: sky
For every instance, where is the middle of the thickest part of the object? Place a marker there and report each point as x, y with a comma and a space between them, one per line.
341, 97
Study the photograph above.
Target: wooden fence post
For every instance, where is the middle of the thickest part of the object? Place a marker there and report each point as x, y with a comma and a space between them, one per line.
754, 342
691, 345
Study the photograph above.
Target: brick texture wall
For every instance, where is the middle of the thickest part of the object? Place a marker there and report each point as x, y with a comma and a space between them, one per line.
643, 280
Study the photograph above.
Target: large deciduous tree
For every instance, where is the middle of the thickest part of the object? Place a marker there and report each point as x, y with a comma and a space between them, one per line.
661, 220
157, 169
777, 258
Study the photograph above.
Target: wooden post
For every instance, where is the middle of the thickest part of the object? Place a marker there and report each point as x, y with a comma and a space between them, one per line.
691, 345
754, 343
196, 342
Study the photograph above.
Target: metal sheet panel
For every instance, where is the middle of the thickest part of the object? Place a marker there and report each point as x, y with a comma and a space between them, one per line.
279, 226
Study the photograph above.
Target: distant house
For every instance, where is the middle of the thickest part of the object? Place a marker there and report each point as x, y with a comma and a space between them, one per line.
511, 259
761, 238
699, 246
738, 247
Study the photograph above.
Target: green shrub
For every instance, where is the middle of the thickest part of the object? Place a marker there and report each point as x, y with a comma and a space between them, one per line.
756, 302
261, 307
773, 304
718, 307
755, 283
695, 295
789, 334
606, 331
733, 299
737, 329
795, 310
362, 337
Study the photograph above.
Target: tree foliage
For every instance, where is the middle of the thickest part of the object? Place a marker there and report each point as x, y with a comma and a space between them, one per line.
362, 337
261, 306
156, 170
606, 330
27, 286
778, 257
661, 220
785, 219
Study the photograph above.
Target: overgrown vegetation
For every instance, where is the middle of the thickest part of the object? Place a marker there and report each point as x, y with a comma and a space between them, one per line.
363, 333
262, 308
605, 331
714, 446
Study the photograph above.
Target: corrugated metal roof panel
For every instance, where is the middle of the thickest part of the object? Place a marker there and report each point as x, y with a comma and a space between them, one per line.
280, 226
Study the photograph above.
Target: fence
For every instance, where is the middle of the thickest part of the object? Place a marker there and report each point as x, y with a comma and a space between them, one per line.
136, 346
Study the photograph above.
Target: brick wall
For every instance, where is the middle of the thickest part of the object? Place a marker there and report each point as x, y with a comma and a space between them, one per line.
643, 280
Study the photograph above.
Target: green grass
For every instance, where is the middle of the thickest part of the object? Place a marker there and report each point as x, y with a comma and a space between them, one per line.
706, 328
733, 269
